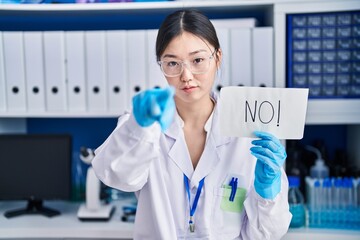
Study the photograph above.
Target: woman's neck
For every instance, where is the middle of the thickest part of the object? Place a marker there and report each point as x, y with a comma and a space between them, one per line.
197, 113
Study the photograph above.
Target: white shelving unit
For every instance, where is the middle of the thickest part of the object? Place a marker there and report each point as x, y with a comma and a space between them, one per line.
327, 111
157, 6
143, 9
319, 111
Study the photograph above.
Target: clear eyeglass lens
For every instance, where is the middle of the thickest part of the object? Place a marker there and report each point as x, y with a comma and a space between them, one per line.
197, 66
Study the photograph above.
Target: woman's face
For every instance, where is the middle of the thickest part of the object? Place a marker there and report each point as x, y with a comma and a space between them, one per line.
190, 85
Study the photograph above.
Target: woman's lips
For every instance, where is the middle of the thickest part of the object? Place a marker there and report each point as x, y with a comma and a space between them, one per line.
189, 89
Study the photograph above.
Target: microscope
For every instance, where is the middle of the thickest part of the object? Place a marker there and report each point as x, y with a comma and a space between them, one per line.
93, 209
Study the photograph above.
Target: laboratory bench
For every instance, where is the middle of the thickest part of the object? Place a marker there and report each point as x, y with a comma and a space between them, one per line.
64, 226
67, 225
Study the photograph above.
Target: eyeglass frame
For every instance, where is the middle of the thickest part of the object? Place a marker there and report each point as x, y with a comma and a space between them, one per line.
182, 66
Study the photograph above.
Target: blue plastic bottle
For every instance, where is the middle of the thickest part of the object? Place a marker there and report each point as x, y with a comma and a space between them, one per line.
296, 203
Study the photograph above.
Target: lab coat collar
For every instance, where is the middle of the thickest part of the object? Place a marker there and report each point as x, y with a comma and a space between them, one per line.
210, 156
177, 151
218, 138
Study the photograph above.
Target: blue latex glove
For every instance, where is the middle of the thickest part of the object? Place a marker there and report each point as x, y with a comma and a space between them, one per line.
155, 105
270, 154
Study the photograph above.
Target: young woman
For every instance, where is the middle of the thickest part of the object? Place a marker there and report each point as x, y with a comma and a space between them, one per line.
190, 181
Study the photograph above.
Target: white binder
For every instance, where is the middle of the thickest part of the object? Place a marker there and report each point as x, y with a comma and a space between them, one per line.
14, 71
223, 79
75, 54
96, 71
241, 57
2, 77
117, 89
234, 23
136, 55
55, 78
34, 70
263, 52
154, 74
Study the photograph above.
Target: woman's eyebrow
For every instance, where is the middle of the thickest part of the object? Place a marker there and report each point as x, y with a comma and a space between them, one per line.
169, 56
190, 54
197, 51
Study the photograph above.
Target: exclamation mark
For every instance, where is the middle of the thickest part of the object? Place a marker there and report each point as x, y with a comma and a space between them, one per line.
278, 119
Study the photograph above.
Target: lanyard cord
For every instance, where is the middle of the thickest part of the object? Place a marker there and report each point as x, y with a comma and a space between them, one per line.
193, 207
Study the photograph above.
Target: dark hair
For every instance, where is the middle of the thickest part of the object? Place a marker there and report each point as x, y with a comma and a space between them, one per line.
192, 21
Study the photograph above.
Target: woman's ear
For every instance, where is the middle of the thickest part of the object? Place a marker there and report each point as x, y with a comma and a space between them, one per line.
218, 58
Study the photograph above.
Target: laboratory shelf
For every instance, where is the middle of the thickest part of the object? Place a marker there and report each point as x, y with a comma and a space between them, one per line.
219, 5
92, 114
136, 15
67, 226
112, 16
64, 226
320, 111
321, 234
131, 15
333, 111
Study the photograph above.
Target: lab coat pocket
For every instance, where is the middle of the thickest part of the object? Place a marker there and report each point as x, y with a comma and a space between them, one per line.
228, 215
237, 204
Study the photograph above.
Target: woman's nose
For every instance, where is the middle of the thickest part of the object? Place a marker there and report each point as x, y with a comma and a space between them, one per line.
186, 75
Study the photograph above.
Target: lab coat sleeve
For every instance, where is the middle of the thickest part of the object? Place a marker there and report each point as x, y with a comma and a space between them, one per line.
123, 160
267, 219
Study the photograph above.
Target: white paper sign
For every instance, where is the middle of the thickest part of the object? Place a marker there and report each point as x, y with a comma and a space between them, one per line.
279, 111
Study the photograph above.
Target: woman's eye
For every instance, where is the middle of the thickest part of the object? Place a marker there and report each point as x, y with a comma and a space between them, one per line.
172, 64
198, 60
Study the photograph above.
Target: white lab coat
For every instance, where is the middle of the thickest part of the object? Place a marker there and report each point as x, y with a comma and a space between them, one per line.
152, 164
